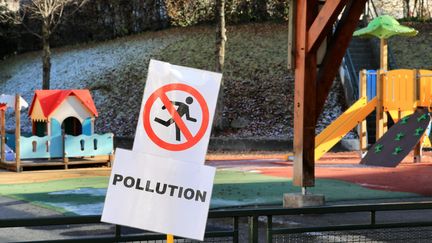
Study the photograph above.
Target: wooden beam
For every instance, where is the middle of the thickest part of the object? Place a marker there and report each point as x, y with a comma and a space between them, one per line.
363, 124
379, 118
323, 23
304, 98
3, 135
336, 50
291, 33
17, 133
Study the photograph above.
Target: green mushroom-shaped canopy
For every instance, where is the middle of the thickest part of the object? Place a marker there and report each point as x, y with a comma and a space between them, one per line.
384, 27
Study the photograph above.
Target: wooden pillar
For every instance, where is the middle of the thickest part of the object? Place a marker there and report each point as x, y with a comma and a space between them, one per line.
418, 151
311, 90
384, 67
17, 133
380, 105
3, 134
383, 54
363, 124
417, 89
65, 158
304, 99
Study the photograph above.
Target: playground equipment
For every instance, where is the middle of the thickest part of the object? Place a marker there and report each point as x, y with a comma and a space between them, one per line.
400, 93
394, 146
62, 133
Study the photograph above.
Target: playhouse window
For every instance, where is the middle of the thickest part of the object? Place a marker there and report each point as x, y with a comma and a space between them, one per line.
40, 128
95, 144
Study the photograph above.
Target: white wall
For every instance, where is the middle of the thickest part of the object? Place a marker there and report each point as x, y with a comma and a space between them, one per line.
72, 106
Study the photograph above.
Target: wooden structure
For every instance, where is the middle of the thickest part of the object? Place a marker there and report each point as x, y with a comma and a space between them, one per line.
63, 133
400, 93
312, 26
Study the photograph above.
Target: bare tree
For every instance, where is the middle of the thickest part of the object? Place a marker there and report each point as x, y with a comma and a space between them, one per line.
50, 13
406, 6
220, 58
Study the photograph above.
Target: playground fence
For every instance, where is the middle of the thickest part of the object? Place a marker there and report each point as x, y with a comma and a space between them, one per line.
94, 145
34, 147
389, 222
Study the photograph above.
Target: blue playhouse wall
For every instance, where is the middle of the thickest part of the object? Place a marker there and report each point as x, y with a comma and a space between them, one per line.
35, 147
80, 146
10, 140
10, 155
56, 149
83, 145
88, 144
87, 127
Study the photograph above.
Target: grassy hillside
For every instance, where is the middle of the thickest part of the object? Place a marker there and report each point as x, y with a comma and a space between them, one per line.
258, 86
414, 52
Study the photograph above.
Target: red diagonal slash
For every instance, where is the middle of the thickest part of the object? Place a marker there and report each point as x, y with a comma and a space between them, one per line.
177, 118
161, 93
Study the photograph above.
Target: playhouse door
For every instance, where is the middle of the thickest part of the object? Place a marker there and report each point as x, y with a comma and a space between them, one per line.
72, 126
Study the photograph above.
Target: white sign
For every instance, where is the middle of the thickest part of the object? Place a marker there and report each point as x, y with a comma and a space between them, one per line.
159, 194
177, 112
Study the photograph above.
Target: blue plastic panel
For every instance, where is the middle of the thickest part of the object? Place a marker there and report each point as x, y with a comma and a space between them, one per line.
10, 140
87, 127
56, 149
35, 147
9, 153
371, 77
93, 145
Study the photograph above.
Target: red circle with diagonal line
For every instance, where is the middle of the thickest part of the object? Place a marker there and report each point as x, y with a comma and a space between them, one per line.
191, 139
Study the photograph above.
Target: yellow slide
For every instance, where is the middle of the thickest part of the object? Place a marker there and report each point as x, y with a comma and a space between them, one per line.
342, 125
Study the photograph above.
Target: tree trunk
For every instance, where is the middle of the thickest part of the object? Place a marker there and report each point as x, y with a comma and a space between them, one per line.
220, 59
407, 9
46, 57
220, 35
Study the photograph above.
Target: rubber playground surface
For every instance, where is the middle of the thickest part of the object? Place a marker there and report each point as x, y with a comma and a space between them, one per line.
258, 179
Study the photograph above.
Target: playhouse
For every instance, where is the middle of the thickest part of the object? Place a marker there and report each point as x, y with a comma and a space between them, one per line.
62, 132
54, 111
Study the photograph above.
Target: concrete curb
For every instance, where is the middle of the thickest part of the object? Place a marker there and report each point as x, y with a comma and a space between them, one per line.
250, 144
258, 144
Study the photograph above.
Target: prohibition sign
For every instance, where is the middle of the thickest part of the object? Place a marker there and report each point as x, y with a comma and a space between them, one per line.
191, 139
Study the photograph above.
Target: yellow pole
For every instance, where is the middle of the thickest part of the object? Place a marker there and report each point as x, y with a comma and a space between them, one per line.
384, 67
170, 238
363, 125
379, 107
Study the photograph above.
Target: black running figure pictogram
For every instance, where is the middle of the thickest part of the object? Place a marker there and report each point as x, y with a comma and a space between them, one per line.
182, 110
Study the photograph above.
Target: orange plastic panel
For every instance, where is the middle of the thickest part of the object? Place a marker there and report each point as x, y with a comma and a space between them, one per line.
425, 88
399, 90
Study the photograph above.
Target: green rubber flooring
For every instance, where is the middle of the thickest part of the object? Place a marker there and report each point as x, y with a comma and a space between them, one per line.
231, 188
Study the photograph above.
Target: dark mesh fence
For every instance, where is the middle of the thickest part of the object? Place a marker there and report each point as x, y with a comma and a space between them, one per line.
418, 234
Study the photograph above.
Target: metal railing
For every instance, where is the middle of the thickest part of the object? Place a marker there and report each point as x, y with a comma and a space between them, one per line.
275, 222
353, 77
